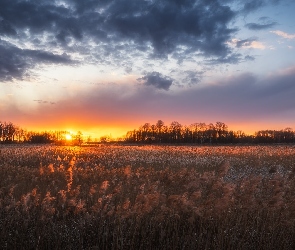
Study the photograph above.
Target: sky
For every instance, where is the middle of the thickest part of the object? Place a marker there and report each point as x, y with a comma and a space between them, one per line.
108, 66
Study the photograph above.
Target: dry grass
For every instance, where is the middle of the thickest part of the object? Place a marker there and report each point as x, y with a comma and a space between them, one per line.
150, 197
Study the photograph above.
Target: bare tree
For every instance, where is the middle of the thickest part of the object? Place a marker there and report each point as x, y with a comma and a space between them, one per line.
175, 130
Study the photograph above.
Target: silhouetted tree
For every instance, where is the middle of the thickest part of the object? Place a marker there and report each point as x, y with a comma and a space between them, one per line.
78, 138
175, 131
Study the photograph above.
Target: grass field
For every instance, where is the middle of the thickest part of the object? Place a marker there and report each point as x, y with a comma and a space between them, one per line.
147, 197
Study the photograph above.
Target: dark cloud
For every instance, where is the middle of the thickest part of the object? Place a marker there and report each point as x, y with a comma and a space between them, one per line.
249, 6
6, 28
36, 16
158, 28
48, 57
257, 26
12, 65
128, 70
117, 32
249, 58
192, 77
168, 24
156, 80
245, 42
15, 62
252, 5
233, 58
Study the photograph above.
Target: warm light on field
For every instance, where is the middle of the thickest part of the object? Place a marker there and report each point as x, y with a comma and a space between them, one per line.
235, 195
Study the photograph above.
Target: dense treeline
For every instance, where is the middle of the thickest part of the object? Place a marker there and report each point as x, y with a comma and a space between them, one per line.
198, 133
10, 133
204, 133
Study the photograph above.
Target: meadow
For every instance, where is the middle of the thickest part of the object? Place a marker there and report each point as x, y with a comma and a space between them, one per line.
147, 197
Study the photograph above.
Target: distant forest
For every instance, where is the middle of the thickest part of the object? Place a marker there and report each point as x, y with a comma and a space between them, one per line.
200, 133
196, 133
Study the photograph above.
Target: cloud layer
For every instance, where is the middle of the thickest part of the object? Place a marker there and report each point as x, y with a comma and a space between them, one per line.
243, 99
156, 80
258, 26
115, 32
16, 62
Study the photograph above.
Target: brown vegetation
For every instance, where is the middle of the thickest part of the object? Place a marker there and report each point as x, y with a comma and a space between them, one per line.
113, 197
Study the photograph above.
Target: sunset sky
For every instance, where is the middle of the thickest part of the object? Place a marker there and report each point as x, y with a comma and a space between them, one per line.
109, 66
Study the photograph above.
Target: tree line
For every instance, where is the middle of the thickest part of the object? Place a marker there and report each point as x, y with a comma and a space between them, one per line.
10, 133
200, 133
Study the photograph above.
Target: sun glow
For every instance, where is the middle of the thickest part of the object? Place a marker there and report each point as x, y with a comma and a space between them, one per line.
68, 137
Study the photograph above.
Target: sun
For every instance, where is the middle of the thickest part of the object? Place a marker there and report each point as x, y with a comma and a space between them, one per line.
68, 137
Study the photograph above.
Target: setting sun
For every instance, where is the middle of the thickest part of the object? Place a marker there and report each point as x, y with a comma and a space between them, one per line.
68, 137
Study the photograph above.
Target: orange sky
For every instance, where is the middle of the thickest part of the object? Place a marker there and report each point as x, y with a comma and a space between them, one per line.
115, 128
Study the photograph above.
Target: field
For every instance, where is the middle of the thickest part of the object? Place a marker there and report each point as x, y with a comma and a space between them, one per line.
147, 197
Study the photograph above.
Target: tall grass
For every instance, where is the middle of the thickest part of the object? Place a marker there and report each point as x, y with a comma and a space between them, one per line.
149, 197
